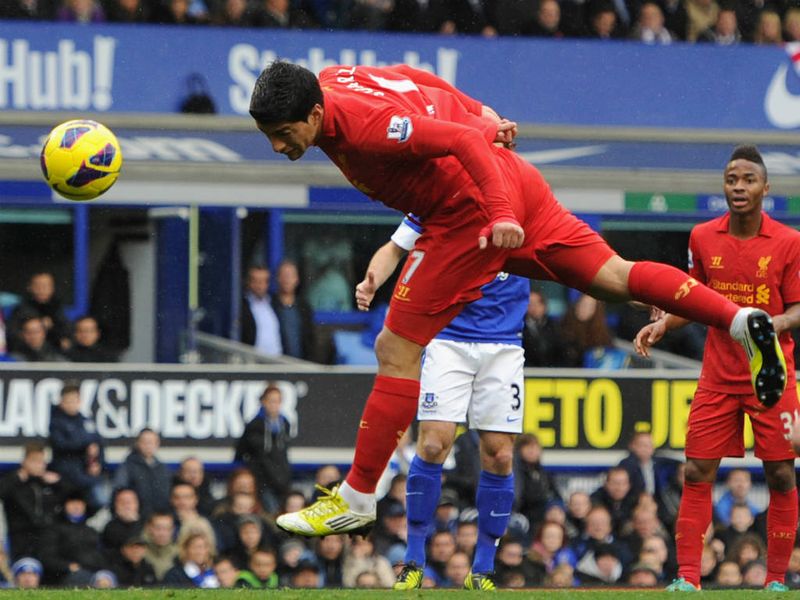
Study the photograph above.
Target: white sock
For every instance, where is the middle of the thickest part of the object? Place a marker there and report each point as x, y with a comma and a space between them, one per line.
738, 328
361, 503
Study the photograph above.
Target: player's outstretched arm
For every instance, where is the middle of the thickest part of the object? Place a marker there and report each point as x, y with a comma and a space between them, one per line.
789, 320
381, 266
652, 333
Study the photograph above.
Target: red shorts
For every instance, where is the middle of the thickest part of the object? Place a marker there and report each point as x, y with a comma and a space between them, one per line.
446, 269
716, 425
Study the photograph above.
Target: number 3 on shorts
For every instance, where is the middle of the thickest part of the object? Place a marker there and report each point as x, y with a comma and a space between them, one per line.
788, 420
415, 258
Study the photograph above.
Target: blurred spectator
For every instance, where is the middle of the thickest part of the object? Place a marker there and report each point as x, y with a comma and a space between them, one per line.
367, 580
104, 580
646, 472
513, 17
467, 536
195, 565
598, 531
463, 477
468, 17
280, 14
447, 510
234, 13
86, 345
260, 327
40, 300
791, 25
541, 335
602, 25
547, 24
306, 575
70, 548
578, 507
262, 571
649, 27
550, 548
251, 535
754, 574
176, 12
145, 474
331, 291
295, 317
228, 526
768, 30
563, 576
32, 345
600, 566
80, 11
78, 450
264, 448
675, 18
240, 481
669, 496
417, 17
128, 11
30, 496
739, 484
729, 575
708, 566
616, 496
456, 570
747, 548
183, 500
27, 573
193, 472
227, 573
441, 547
656, 552
28, 9
725, 32
584, 329
126, 522
642, 575
702, 15
644, 524
391, 527
793, 572
330, 557
741, 522
361, 557
130, 564
159, 533
534, 487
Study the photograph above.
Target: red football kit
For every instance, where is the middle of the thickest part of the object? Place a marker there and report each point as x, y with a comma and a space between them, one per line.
762, 272
411, 141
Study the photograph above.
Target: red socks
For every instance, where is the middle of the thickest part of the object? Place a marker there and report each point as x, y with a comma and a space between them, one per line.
390, 409
781, 528
675, 292
694, 516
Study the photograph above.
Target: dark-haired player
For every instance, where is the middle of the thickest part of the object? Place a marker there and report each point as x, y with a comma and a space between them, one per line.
754, 261
419, 145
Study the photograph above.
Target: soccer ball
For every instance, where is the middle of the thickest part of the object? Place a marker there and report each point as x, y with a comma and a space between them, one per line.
81, 159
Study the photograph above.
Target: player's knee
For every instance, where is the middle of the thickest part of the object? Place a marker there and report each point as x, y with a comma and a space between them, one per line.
698, 472
395, 352
498, 459
432, 450
780, 475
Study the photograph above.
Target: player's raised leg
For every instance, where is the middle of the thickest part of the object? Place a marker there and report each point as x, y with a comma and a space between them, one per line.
389, 411
676, 292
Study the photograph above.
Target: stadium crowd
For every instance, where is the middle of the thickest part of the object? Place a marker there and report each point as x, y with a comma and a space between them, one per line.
76, 522
722, 22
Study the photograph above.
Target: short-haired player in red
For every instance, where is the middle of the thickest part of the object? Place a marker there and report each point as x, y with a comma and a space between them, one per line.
754, 261
417, 144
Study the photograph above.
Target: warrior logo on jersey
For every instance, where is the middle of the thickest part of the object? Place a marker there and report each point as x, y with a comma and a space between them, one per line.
763, 265
400, 129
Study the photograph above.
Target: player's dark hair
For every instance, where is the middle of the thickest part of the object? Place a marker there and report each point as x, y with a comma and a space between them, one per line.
284, 93
749, 153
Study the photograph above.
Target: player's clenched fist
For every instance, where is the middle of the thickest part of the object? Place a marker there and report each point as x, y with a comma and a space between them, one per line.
365, 291
505, 234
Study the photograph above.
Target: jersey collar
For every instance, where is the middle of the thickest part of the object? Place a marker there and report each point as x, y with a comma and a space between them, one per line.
767, 229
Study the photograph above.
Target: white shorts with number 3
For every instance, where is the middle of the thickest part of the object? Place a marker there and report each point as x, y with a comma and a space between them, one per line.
478, 383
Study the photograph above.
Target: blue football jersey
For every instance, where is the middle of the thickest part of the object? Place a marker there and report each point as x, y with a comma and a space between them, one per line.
497, 317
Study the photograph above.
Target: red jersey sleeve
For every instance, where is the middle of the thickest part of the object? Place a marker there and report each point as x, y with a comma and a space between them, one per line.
790, 284
696, 268
421, 77
390, 132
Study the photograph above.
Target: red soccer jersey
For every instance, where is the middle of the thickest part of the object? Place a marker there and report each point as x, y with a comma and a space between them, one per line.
408, 144
763, 272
